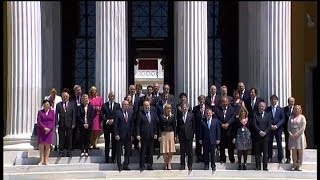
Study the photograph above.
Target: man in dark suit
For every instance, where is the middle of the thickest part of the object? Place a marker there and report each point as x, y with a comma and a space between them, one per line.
166, 97
252, 105
156, 95
209, 138
183, 98
277, 122
123, 131
107, 116
287, 112
65, 120
244, 93
212, 99
185, 131
136, 102
199, 113
147, 131
225, 113
224, 93
75, 132
262, 124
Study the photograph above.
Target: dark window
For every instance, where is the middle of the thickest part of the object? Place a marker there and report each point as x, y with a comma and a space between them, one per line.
214, 44
85, 47
149, 19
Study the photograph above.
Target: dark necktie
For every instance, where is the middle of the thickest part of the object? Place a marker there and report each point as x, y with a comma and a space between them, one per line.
126, 116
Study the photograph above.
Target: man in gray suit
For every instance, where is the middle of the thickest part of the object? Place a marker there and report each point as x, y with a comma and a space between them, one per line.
65, 121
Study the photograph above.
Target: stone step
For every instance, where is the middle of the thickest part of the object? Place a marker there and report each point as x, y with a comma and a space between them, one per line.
309, 154
59, 172
133, 159
135, 166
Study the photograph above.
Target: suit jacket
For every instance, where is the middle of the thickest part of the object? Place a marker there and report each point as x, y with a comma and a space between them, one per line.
253, 111
155, 98
279, 117
167, 125
262, 124
121, 127
198, 118
144, 129
230, 117
287, 114
66, 119
210, 136
74, 99
186, 130
107, 113
170, 100
136, 103
81, 115
216, 101
246, 95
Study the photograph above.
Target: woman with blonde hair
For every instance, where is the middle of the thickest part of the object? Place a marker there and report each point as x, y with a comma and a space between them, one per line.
96, 102
297, 139
168, 134
243, 137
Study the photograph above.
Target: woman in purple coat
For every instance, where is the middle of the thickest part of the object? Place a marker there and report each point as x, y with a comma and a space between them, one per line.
46, 124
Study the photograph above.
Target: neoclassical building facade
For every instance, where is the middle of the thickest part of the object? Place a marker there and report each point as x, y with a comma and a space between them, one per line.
268, 45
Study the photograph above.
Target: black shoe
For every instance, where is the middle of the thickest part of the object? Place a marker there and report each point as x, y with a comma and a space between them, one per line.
258, 168
206, 167
240, 167
120, 168
149, 168
182, 167
265, 169
288, 161
232, 160
55, 148
213, 168
190, 168
69, 154
244, 167
126, 168
223, 161
142, 168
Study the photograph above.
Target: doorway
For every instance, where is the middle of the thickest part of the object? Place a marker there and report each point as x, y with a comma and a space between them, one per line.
150, 43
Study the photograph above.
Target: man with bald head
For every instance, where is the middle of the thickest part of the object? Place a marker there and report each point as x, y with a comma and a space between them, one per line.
224, 93
107, 116
212, 100
123, 132
225, 113
244, 93
66, 113
287, 112
262, 126
146, 132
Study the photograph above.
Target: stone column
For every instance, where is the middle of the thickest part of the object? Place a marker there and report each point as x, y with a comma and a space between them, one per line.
191, 49
265, 48
111, 49
24, 67
51, 43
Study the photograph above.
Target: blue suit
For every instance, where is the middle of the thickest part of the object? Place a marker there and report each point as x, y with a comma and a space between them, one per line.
209, 139
278, 119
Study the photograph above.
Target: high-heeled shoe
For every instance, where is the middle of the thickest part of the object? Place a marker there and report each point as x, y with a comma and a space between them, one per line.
165, 167
40, 163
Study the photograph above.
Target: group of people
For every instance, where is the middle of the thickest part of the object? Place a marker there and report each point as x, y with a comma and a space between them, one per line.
154, 120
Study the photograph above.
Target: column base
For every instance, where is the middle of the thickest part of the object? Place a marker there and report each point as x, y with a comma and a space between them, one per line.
20, 142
